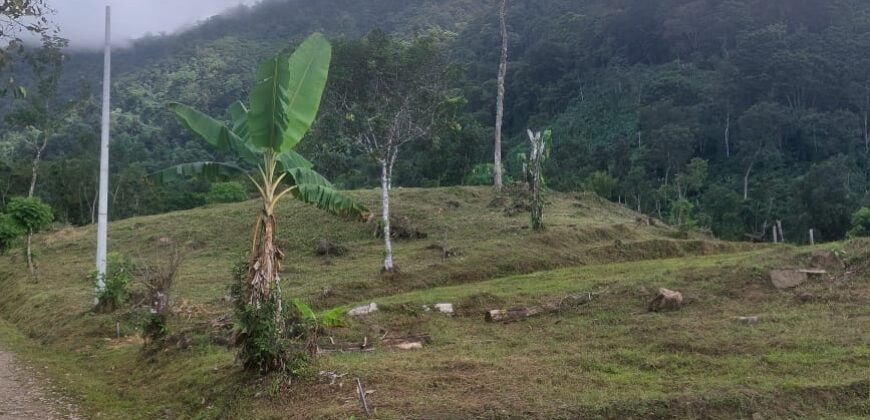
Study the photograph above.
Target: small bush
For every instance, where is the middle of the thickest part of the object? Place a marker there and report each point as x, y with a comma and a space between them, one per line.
227, 192
481, 174
30, 213
860, 224
117, 280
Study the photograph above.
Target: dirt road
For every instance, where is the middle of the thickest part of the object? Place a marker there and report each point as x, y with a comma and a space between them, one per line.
24, 397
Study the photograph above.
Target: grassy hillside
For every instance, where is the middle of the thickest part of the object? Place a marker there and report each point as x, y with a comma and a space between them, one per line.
606, 359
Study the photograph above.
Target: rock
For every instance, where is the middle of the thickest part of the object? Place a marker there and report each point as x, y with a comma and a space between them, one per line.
363, 310
666, 300
806, 297
827, 260
748, 319
326, 248
444, 308
787, 278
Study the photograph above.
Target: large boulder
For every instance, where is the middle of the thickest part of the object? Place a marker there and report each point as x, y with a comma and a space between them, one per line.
787, 278
666, 300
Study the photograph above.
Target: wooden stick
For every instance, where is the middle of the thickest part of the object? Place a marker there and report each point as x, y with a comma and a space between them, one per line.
361, 391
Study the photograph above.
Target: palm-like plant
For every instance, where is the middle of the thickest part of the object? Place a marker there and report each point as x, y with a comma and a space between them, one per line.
283, 104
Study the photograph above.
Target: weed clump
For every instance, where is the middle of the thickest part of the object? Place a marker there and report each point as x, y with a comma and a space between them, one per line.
117, 281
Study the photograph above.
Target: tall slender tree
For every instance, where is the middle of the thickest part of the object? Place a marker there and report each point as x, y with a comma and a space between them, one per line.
38, 113
394, 93
499, 104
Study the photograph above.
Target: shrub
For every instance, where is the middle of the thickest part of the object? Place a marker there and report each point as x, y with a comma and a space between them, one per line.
683, 216
158, 276
860, 224
117, 283
226, 192
30, 214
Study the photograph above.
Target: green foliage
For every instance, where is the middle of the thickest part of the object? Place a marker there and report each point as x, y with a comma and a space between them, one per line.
683, 215
155, 328
263, 343
860, 224
118, 281
602, 184
639, 90
481, 174
722, 213
10, 230
284, 101
30, 214
286, 96
227, 192
333, 318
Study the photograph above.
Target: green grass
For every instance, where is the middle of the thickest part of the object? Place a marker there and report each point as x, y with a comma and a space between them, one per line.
606, 359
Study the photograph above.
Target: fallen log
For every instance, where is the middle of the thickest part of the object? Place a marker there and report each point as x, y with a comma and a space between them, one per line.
407, 343
517, 314
333, 347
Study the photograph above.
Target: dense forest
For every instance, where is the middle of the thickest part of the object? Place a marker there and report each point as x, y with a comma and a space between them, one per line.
728, 115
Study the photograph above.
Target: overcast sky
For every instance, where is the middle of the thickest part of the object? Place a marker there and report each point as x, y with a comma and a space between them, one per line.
81, 21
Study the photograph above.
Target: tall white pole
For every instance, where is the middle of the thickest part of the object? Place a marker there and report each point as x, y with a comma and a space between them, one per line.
103, 215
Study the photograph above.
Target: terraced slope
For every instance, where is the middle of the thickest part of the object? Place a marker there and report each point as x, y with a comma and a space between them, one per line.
605, 359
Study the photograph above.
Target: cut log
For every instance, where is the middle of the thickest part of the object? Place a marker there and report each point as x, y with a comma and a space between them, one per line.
516, 314
407, 343
363, 310
666, 300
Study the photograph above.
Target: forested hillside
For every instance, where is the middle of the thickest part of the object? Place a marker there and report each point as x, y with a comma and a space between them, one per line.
721, 114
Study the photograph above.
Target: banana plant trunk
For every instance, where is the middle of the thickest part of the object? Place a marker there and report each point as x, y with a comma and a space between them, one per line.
265, 263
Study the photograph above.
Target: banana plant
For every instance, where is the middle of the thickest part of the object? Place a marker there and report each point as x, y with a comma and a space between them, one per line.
283, 104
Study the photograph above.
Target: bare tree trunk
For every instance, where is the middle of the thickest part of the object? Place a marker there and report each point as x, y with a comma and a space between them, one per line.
94, 206
728, 135
781, 235
30, 265
746, 181
499, 106
867, 132
34, 173
385, 205
35, 166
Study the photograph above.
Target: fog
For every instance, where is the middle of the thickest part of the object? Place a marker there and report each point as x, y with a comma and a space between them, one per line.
81, 21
